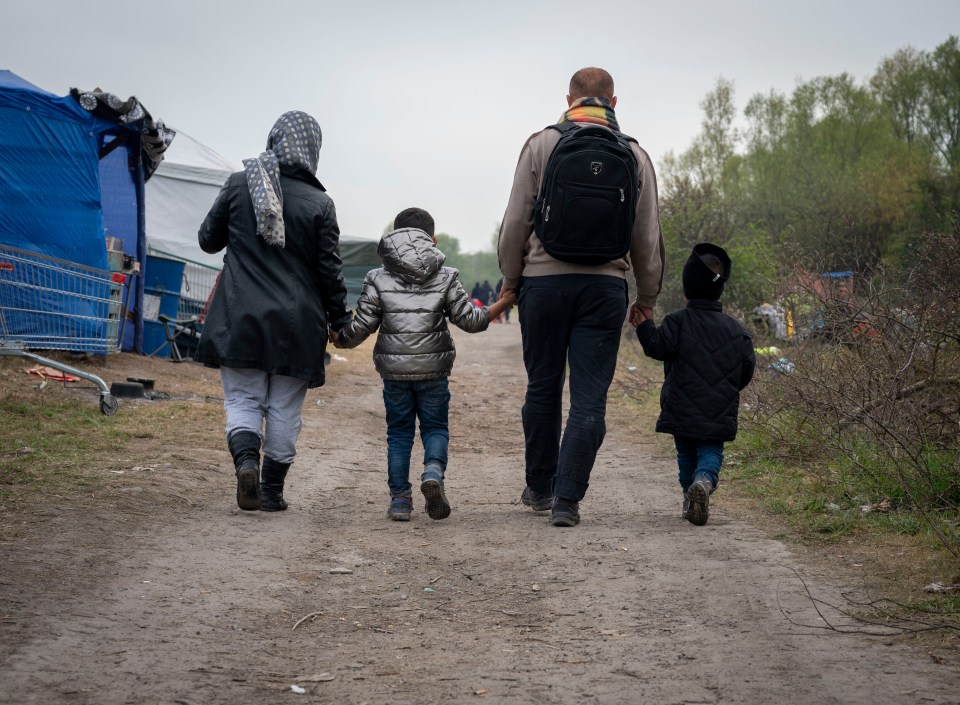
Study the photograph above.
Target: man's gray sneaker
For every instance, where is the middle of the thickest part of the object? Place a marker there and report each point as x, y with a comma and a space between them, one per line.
536, 501
564, 513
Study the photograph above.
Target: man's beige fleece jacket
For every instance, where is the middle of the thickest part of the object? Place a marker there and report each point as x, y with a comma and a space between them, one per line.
522, 255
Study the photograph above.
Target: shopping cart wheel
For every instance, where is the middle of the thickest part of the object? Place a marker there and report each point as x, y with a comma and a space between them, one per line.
109, 404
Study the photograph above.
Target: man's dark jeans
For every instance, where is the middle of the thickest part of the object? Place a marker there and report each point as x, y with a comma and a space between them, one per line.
405, 401
566, 319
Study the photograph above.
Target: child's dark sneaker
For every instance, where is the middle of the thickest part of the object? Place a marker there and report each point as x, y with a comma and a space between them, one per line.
536, 501
699, 498
400, 508
437, 505
564, 513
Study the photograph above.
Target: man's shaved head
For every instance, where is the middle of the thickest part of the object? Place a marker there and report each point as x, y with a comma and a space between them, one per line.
591, 83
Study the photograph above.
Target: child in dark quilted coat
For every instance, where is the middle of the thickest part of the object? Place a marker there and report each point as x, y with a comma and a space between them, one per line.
707, 360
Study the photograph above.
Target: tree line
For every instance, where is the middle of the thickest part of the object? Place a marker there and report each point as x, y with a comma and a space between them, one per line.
846, 175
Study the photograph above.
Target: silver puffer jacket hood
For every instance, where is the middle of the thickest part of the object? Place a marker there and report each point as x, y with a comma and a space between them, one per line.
410, 300
410, 254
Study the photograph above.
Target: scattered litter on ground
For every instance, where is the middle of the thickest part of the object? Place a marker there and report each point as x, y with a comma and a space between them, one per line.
300, 621
340, 571
298, 690
940, 588
783, 366
46, 373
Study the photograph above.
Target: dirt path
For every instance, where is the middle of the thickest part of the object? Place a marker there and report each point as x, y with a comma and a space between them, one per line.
197, 604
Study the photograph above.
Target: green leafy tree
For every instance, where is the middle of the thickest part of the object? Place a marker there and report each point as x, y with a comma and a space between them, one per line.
474, 267
701, 189
899, 84
448, 245
828, 174
942, 97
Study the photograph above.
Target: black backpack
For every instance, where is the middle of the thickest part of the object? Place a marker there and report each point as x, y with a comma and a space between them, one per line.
586, 207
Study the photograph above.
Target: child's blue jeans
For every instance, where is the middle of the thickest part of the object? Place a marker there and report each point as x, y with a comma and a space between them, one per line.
698, 457
405, 401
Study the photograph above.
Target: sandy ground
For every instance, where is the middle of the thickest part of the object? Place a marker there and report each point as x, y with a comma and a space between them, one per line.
168, 601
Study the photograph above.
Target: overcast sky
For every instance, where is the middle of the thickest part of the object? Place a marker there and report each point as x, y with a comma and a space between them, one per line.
428, 103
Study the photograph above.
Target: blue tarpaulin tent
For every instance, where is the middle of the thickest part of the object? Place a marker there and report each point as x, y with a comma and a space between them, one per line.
68, 179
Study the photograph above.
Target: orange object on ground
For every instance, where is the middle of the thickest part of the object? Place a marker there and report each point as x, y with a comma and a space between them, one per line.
50, 373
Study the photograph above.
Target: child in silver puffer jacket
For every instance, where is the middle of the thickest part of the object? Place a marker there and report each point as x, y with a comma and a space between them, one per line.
410, 300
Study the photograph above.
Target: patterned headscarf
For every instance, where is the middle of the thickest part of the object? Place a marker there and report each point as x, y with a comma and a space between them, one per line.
293, 141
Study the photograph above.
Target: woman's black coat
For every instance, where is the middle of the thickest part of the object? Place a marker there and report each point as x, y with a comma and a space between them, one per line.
272, 304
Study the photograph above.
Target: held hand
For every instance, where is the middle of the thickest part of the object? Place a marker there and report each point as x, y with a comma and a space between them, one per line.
509, 296
335, 338
639, 314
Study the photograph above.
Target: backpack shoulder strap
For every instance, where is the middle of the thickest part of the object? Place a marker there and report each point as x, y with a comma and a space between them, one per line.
568, 125
563, 127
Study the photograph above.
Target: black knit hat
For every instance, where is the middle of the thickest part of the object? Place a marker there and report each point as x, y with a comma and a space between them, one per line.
699, 280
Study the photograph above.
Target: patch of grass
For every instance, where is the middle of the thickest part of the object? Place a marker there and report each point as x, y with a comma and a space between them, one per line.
51, 441
803, 493
881, 495
776, 505
57, 445
859, 509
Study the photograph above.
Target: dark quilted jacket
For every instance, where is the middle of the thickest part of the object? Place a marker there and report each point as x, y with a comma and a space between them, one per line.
707, 359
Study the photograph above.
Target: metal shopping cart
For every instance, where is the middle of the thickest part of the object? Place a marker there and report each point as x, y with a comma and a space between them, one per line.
52, 304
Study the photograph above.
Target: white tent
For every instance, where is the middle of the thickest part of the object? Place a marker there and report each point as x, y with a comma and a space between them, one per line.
178, 197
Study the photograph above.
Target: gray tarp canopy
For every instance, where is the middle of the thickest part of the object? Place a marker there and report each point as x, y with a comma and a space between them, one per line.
359, 257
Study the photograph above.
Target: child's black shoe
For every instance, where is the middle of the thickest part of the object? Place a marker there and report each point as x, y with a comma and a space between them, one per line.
699, 498
400, 508
437, 505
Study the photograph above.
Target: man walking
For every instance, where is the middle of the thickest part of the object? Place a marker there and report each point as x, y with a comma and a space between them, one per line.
573, 302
